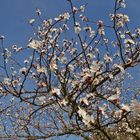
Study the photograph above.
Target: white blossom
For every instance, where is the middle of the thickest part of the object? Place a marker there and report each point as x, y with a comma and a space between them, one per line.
126, 18
82, 8
129, 41
85, 100
120, 67
64, 102
66, 15
86, 118
42, 99
56, 91
23, 70
114, 97
125, 107
38, 12
118, 114
77, 29
2, 37
95, 66
53, 65
92, 34
35, 44
107, 58
31, 21
7, 81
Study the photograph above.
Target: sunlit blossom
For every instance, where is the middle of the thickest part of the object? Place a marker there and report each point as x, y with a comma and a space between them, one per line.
120, 67
125, 108
56, 91
40, 69
107, 58
87, 119
35, 44
42, 99
66, 15
129, 41
7, 81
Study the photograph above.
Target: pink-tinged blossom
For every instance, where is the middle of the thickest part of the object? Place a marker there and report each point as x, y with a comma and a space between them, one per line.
100, 23
107, 58
64, 102
84, 100
125, 108
115, 98
56, 91
75, 9
100, 27
15, 82
47, 23
1, 89
42, 84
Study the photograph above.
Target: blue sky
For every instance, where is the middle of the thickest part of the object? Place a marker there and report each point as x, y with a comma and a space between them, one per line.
15, 14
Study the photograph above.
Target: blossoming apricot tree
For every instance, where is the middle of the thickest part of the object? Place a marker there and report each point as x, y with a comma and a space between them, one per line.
72, 81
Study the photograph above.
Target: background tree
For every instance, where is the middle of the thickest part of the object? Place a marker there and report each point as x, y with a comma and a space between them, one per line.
73, 80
